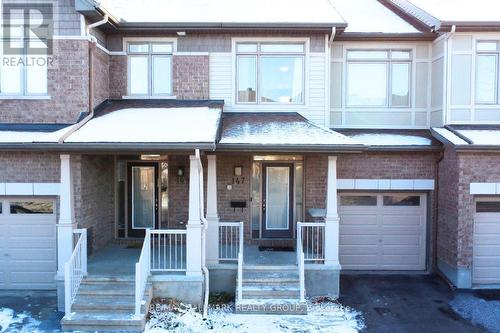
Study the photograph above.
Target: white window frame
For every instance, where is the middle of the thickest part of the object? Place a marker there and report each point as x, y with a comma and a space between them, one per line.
150, 55
23, 92
496, 53
389, 62
258, 55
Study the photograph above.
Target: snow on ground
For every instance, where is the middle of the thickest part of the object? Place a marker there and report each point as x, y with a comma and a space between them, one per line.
20, 322
322, 317
478, 311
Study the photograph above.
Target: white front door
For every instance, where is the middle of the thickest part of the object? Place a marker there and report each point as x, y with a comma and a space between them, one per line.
383, 231
486, 249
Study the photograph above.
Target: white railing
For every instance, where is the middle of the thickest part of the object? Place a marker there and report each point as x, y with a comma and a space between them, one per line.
312, 235
75, 269
300, 262
168, 250
142, 272
229, 240
239, 287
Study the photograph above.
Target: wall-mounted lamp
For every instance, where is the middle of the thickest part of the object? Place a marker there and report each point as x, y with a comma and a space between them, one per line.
180, 174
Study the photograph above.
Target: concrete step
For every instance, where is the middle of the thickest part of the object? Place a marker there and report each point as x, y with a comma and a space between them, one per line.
271, 306
270, 292
121, 322
103, 302
287, 268
107, 288
271, 276
107, 278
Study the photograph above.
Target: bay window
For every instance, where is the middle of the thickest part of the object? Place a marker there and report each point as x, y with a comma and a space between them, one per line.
487, 77
378, 78
270, 73
150, 69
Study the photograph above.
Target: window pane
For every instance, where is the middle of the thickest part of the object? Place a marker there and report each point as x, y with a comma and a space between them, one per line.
400, 85
376, 54
32, 207
139, 75
488, 207
366, 84
246, 48
487, 46
282, 79
486, 78
247, 79
401, 200
10, 77
162, 75
401, 55
138, 48
282, 48
358, 200
162, 48
37, 77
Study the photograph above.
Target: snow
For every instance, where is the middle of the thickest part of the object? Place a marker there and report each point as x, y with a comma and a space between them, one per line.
32, 136
321, 317
224, 11
479, 311
450, 136
282, 132
378, 139
157, 125
21, 322
482, 137
371, 16
461, 10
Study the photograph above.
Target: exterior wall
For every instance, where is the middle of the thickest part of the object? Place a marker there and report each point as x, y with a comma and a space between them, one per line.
29, 167
190, 77
67, 86
437, 81
94, 196
178, 195
100, 71
117, 76
66, 18
415, 116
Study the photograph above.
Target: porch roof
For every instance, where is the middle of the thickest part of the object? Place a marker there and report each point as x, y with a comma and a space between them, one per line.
470, 137
279, 131
390, 139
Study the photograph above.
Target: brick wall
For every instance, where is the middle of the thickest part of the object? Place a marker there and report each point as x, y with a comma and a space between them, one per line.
117, 76
93, 177
67, 85
101, 75
29, 167
190, 77
178, 191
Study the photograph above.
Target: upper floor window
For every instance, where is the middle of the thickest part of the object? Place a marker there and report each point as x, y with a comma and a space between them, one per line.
150, 69
378, 78
23, 74
270, 73
487, 67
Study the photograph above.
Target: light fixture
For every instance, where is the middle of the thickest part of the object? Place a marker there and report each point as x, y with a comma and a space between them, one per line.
181, 33
180, 175
238, 171
149, 157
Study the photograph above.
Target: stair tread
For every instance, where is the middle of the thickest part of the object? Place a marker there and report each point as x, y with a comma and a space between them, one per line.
112, 318
269, 288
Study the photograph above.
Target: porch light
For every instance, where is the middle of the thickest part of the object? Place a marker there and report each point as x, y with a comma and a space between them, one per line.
149, 157
180, 174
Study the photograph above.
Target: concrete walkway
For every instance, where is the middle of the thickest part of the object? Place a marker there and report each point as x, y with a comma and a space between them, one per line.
114, 260
253, 256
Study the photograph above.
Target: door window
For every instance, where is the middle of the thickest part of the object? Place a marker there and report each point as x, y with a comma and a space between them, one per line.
143, 197
277, 197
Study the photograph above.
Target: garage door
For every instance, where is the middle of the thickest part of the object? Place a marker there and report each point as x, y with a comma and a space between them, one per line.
486, 250
383, 231
27, 244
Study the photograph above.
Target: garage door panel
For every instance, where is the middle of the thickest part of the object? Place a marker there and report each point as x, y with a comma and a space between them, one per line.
358, 240
358, 230
487, 261
35, 230
401, 260
487, 229
493, 239
487, 250
406, 240
365, 260
32, 254
358, 219
31, 242
403, 219
359, 249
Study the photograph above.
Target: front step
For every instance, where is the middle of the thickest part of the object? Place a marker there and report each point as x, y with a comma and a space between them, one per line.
270, 289
106, 303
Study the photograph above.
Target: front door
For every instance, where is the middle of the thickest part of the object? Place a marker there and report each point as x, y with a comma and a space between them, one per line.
277, 200
143, 196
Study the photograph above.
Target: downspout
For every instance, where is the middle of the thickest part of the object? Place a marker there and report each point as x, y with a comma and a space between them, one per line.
332, 36
204, 268
90, 115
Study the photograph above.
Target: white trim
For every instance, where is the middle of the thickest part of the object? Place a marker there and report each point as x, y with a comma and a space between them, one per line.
385, 184
172, 40
26, 97
190, 53
484, 188
29, 188
117, 53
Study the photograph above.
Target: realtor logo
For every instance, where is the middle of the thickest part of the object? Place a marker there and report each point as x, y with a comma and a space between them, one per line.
27, 28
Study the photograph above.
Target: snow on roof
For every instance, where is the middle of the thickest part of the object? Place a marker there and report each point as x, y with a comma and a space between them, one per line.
461, 10
482, 137
277, 129
371, 16
380, 139
449, 136
8, 136
151, 125
224, 11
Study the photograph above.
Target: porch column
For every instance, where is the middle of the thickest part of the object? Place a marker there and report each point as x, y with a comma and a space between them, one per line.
212, 242
66, 222
194, 226
332, 216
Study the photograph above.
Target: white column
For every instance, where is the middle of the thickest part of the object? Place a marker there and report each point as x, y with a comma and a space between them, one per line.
66, 222
212, 214
332, 216
194, 226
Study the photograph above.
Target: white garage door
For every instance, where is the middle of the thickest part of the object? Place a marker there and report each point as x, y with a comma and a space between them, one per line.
383, 231
486, 250
27, 244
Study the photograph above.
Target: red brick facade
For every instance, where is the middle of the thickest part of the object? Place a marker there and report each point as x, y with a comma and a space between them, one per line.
190, 77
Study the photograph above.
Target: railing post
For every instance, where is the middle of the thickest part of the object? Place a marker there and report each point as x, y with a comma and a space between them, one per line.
331, 241
302, 278
84, 252
138, 285
67, 289
193, 227
212, 234
299, 241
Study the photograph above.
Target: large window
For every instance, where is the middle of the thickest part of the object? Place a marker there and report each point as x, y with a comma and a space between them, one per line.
23, 74
149, 69
487, 77
378, 78
270, 73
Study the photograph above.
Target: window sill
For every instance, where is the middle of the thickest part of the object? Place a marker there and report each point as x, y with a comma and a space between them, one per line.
148, 97
20, 97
